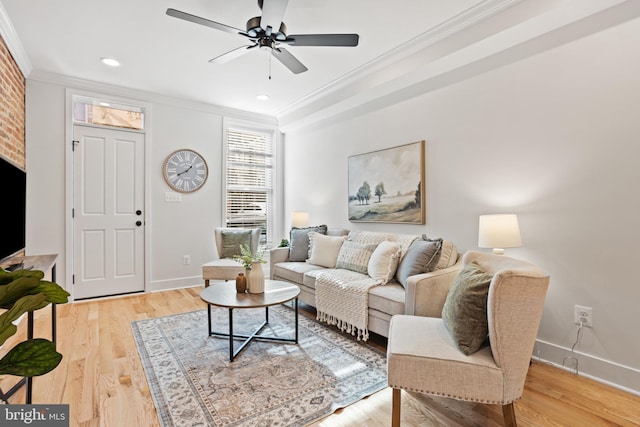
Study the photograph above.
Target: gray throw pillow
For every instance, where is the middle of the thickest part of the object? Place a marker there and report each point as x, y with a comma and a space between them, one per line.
232, 240
421, 257
299, 242
465, 310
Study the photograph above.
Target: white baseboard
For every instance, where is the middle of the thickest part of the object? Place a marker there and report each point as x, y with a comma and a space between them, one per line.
167, 285
619, 376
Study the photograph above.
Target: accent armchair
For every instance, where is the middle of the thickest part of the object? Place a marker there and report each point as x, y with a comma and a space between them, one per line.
228, 241
423, 356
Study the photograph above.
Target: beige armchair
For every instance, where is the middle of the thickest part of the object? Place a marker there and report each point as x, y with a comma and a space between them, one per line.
227, 241
422, 356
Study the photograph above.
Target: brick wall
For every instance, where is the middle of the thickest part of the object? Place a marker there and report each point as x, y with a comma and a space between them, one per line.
12, 115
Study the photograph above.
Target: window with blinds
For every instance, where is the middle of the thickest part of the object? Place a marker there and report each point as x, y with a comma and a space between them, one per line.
249, 181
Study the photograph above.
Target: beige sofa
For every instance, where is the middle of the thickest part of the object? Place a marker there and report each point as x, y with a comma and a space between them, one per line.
422, 294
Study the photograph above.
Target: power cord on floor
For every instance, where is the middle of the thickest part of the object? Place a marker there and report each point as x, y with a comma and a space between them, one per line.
572, 355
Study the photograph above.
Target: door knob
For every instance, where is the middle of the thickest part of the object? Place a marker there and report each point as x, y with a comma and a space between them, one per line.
138, 223
138, 212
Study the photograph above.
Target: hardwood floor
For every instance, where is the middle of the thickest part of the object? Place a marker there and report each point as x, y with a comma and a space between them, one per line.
102, 379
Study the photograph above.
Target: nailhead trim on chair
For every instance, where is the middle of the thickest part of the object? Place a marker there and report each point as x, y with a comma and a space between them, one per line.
450, 396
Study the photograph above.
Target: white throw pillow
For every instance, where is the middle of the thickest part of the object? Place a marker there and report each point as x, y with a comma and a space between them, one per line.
324, 249
384, 261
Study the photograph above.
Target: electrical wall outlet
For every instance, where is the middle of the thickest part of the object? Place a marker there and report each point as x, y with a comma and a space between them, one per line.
186, 260
583, 314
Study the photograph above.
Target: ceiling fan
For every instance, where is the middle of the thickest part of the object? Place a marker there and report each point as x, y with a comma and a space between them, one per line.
268, 31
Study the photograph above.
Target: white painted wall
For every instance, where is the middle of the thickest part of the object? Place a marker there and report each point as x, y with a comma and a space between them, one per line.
553, 138
174, 229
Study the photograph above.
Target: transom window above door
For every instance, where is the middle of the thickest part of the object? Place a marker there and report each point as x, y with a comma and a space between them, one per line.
106, 113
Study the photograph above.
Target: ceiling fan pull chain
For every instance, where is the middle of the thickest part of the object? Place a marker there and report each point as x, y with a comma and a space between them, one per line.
270, 55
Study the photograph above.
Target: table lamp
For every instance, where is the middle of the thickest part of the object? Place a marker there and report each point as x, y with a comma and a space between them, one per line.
299, 219
499, 231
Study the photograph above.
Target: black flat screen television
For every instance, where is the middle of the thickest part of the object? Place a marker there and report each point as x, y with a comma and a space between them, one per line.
14, 182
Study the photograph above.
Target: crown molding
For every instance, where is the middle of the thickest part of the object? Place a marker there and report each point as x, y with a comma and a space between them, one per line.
13, 43
517, 31
458, 23
107, 89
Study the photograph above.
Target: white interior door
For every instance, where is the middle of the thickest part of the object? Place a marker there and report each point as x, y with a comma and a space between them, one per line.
108, 221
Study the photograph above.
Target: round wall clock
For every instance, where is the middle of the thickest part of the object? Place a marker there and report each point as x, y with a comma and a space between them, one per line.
185, 170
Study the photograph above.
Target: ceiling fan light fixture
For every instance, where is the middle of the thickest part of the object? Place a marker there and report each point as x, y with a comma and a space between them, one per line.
266, 42
281, 35
253, 26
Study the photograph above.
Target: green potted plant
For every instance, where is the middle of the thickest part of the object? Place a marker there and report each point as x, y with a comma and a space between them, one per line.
252, 263
247, 258
284, 243
22, 291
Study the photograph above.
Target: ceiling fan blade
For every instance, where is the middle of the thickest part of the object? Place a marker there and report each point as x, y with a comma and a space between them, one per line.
232, 54
273, 14
202, 21
349, 40
289, 61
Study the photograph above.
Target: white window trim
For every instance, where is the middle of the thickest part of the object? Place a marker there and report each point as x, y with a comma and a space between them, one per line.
278, 181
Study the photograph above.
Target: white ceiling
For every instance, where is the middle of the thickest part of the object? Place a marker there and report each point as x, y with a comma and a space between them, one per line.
165, 55
406, 47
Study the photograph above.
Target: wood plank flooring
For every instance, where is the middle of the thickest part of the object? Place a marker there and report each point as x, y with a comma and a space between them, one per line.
102, 379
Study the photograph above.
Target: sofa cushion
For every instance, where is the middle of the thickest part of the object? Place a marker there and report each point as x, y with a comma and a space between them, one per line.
299, 241
421, 257
384, 261
293, 271
369, 237
387, 299
355, 256
448, 255
232, 240
324, 249
375, 237
337, 232
465, 309
309, 279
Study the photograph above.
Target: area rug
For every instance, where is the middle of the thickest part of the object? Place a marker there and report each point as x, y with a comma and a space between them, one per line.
268, 384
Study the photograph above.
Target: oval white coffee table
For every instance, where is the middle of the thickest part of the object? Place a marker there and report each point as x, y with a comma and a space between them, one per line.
223, 294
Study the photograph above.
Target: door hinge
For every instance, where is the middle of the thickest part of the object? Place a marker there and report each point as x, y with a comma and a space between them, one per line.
73, 279
73, 213
73, 144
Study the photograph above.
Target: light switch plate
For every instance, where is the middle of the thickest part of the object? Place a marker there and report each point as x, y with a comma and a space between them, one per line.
172, 197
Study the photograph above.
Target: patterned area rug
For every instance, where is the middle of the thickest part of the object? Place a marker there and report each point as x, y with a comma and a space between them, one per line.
269, 384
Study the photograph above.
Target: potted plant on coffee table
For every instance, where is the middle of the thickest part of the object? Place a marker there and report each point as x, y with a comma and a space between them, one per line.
252, 264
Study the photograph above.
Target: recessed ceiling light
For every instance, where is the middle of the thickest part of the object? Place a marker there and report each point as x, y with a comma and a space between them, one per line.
110, 62
263, 97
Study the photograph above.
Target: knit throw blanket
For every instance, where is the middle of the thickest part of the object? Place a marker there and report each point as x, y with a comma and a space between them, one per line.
342, 299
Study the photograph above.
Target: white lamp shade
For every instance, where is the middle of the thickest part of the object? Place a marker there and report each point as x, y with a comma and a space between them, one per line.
499, 231
299, 219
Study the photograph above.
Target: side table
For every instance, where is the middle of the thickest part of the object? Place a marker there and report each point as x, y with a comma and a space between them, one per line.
33, 262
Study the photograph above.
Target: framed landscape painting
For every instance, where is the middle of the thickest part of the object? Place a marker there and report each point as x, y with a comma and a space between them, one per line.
388, 185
